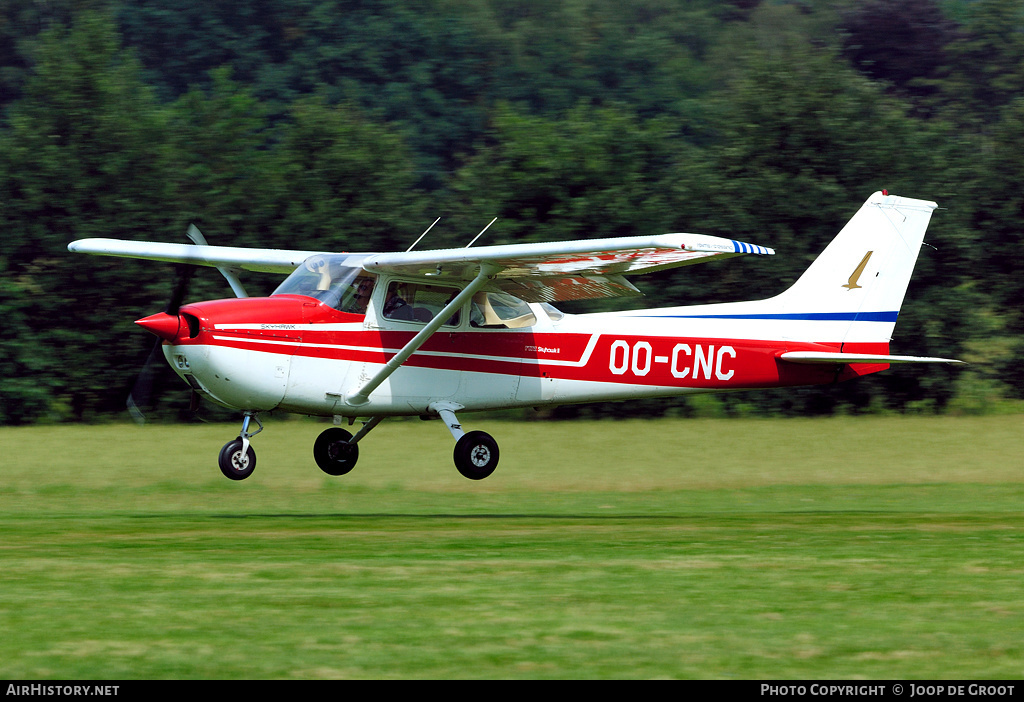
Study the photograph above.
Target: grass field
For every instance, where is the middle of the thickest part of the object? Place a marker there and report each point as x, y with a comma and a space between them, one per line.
878, 548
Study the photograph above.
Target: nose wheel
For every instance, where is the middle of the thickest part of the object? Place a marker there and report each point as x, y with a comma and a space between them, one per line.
237, 462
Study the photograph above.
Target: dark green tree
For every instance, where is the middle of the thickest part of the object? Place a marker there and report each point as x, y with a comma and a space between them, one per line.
987, 60
802, 141
21, 21
905, 45
344, 182
998, 210
595, 172
82, 156
321, 124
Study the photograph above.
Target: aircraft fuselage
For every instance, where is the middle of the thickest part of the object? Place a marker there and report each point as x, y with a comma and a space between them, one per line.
299, 355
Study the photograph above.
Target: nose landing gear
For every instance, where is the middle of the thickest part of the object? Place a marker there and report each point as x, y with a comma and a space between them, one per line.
237, 459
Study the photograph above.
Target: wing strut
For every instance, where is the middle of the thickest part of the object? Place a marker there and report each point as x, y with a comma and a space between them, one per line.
362, 395
229, 275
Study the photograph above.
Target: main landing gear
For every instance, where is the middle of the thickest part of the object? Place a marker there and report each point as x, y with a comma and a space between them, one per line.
336, 450
476, 452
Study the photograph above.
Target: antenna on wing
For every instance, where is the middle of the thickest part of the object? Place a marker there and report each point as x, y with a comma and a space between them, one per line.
423, 234
481, 232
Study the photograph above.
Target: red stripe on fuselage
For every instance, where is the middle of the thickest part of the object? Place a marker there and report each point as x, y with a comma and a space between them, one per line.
600, 357
634, 360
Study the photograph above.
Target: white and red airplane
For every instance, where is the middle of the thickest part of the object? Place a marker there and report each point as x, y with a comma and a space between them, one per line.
434, 333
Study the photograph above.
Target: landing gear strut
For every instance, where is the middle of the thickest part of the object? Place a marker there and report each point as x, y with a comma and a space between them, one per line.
237, 460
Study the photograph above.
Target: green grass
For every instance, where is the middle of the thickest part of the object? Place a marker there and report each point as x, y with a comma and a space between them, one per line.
879, 548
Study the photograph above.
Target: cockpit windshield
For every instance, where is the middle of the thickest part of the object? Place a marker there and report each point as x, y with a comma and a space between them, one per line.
338, 281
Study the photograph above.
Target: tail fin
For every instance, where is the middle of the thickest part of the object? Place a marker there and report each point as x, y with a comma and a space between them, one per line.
860, 278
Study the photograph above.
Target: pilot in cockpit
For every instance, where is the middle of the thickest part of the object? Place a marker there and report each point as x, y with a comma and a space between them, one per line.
363, 288
395, 307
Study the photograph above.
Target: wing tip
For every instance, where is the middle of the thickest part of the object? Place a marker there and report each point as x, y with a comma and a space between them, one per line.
703, 243
745, 248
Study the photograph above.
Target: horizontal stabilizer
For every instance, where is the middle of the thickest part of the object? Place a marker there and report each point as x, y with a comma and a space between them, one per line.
813, 357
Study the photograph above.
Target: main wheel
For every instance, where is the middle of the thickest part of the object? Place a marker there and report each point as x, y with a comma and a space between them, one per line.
333, 452
233, 463
476, 455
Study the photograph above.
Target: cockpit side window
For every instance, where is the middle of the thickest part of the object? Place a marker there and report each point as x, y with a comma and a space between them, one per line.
417, 302
356, 296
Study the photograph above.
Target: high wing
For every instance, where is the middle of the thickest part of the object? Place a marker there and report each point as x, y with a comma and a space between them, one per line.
541, 272
568, 270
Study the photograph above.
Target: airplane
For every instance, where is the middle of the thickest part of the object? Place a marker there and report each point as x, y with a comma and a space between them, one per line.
435, 333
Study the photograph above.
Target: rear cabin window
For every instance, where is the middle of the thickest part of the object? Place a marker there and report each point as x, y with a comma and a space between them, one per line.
499, 310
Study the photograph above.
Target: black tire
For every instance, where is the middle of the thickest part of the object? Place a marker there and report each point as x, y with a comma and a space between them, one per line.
476, 455
233, 463
333, 453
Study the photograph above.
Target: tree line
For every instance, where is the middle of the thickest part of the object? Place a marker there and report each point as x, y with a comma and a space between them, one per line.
351, 125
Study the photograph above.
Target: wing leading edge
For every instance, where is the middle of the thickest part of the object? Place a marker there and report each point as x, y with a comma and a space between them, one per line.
261, 260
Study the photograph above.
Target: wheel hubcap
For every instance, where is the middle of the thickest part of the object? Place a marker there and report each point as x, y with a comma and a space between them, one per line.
480, 456
239, 461
338, 451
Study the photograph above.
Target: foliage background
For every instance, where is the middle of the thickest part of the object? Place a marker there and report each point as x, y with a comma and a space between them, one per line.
353, 124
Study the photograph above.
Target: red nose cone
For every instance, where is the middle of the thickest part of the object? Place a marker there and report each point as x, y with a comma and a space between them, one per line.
162, 324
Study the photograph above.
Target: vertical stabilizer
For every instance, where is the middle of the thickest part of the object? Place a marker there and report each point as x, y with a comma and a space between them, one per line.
861, 277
